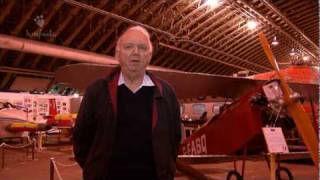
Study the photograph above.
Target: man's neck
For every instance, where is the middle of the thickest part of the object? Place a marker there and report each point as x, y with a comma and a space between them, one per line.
133, 81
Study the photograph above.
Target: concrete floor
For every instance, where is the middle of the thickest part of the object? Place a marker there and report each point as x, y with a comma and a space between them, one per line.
20, 167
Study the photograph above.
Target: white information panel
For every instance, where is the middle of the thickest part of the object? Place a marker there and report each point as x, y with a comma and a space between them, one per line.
275, 140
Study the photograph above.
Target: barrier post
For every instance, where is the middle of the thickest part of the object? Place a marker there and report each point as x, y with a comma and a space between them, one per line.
2, 166
27, 152
32, 150
51, 169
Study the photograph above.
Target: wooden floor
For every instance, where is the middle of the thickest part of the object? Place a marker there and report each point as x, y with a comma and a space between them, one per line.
20, 167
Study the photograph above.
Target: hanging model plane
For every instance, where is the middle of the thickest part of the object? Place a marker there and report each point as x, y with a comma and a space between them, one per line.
239, 126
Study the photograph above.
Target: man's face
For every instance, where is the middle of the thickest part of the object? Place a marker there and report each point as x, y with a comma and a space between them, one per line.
134, 53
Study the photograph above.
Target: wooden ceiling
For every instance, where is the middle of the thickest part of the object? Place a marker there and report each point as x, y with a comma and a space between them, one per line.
188, 35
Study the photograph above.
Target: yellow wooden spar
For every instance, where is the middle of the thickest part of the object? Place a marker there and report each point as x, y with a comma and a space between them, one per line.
301, 118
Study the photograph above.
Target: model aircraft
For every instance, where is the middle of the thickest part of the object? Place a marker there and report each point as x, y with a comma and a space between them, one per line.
14, 121
22, 111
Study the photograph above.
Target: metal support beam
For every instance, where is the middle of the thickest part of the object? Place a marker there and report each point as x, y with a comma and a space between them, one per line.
46, 49
205, 57
157, 30
276, 10
261, 16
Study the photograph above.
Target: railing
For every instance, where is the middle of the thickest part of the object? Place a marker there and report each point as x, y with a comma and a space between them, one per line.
54, 168
4, 146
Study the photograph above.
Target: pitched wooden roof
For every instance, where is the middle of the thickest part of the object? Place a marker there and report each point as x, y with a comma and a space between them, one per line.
188, 35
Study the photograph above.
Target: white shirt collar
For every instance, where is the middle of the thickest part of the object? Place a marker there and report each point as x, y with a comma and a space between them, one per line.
146, 81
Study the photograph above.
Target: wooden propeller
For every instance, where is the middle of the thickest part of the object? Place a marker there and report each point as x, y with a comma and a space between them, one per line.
301, 118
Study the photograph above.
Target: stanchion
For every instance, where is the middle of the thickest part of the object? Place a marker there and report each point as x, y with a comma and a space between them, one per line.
51, 169
27, 152
4, 146
2, 166
54, 168
32, 149
39, 142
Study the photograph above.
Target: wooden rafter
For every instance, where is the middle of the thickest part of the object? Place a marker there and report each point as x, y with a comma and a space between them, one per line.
150, 8
53, 11
18, 28
6, 11
219, 35
34, 4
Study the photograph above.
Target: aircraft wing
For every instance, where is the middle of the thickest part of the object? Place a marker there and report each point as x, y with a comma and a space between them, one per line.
308, 91
302, 79
186, 84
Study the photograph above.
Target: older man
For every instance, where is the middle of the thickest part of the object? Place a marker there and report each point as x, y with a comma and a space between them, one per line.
128, 125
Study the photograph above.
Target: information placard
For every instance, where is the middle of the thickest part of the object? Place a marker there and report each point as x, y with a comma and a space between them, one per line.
276, 142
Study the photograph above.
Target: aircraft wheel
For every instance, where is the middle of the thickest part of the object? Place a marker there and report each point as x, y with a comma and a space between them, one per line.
234, 173
283, 170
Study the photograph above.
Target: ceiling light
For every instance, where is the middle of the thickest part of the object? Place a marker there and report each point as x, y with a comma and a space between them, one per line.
252, 24
212, 3
76, 95
292, 52
305, 58
275, 41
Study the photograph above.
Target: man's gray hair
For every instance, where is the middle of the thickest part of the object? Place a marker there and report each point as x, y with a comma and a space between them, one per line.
139, 29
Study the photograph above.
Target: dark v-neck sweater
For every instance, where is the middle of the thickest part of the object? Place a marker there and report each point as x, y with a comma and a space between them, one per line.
132, 155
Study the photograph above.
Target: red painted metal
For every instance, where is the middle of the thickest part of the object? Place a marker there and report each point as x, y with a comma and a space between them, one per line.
229, 132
